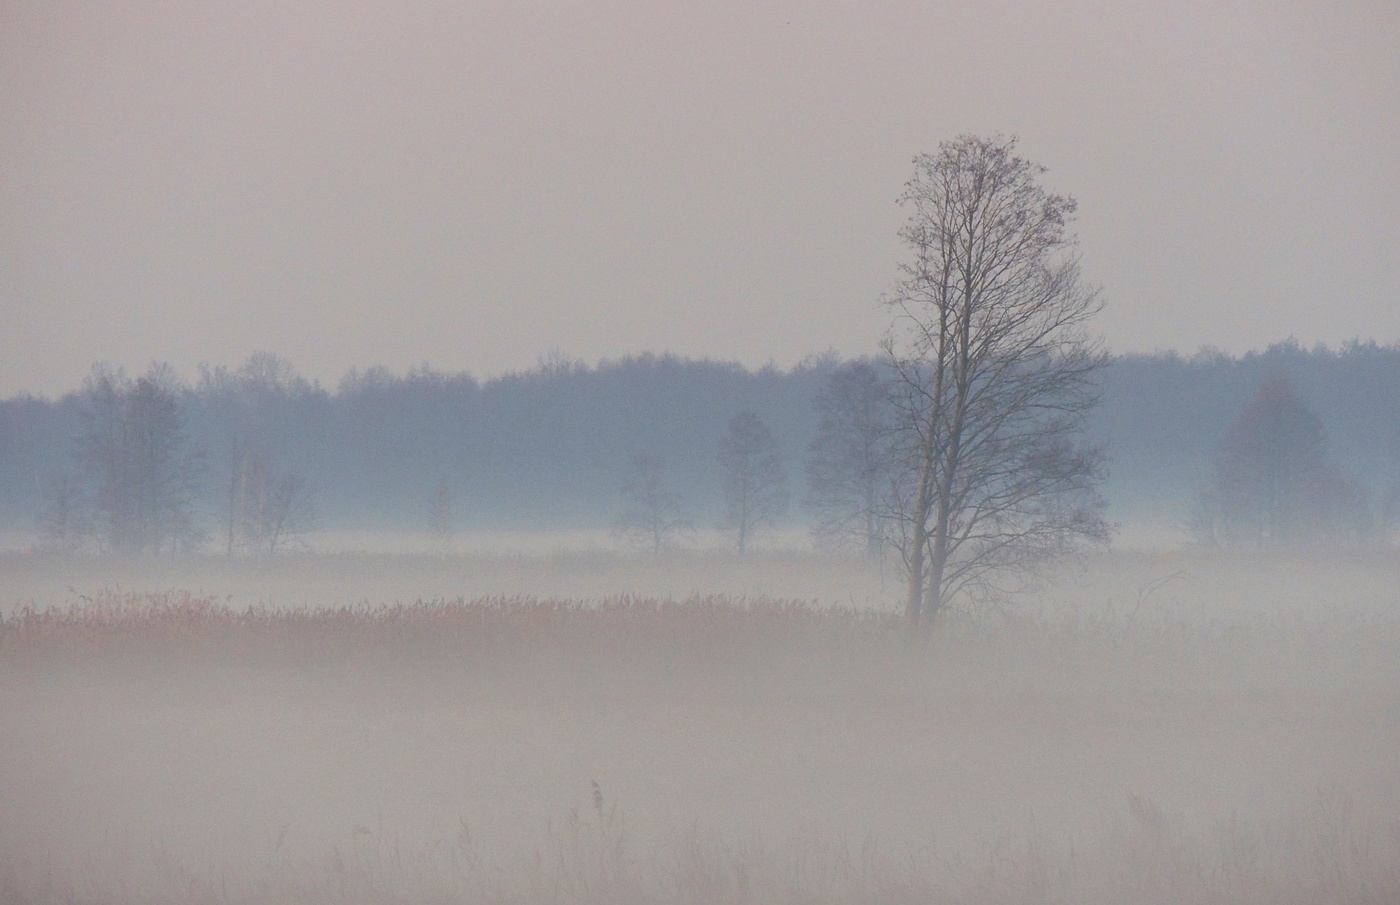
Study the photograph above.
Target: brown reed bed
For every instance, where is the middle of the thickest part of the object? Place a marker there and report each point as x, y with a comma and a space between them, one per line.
164, 628
1001, 702
179, 626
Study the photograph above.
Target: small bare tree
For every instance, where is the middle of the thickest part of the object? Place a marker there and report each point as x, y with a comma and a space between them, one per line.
849, 459
291, 514
653, 515
993, 374
267, 512
755, 481
247, 474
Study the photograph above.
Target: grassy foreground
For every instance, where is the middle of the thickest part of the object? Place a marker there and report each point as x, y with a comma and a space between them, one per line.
171, 747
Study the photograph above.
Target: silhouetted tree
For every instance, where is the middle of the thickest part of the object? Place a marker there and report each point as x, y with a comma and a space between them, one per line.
134, 452
994, 373
755, 481
1271, 483
653, 514
848, 465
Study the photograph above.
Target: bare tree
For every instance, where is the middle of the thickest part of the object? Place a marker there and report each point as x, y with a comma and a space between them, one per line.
290, 515
134, 452
849, 459
266, 511
653, 515
755, 481
994, 372
247, 472
1272, 484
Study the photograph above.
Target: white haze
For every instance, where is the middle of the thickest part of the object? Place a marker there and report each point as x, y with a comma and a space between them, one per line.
476, 184
1179, 704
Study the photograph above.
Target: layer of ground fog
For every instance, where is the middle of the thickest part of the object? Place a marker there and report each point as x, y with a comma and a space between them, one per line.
1187, 729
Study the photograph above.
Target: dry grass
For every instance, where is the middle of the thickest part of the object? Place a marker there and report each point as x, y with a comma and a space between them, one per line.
171, 746
505, 637
1318, 855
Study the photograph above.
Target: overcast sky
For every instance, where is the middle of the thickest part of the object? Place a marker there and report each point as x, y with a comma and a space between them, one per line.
477, 184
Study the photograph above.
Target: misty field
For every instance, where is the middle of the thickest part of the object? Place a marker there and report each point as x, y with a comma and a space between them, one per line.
1172, 729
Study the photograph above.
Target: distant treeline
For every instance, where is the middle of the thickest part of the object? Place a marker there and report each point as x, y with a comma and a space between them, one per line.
548, 448
1164, 416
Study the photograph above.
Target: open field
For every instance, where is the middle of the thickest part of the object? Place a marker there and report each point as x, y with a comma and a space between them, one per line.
1227, 737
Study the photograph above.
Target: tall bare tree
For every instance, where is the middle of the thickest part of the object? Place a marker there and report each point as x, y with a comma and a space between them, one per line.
994, 374
848, 460
755, 480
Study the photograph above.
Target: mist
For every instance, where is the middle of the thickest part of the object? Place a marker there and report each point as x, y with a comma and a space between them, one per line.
393, 183
610, 453
492, 661
424, 694
340, 728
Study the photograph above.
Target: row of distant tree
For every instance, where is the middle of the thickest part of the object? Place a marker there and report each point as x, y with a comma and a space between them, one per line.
1272, 480
754, 491
544, 449
137, 482
266, 456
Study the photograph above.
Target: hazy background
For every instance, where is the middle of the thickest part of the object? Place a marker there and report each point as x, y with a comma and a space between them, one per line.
476, 184
504, 190
537, 460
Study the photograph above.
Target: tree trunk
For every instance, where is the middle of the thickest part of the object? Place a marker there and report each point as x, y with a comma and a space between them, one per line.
914, 601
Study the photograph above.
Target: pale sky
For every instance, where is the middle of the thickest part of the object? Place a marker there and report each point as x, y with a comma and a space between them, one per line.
477, 184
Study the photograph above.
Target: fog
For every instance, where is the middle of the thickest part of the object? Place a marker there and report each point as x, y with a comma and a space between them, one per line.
1220, 726
393, 183
583, 549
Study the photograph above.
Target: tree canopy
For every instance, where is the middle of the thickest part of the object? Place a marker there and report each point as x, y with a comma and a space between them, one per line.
995, 372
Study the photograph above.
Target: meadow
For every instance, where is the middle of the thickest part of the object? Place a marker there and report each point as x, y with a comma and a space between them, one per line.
604, 728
